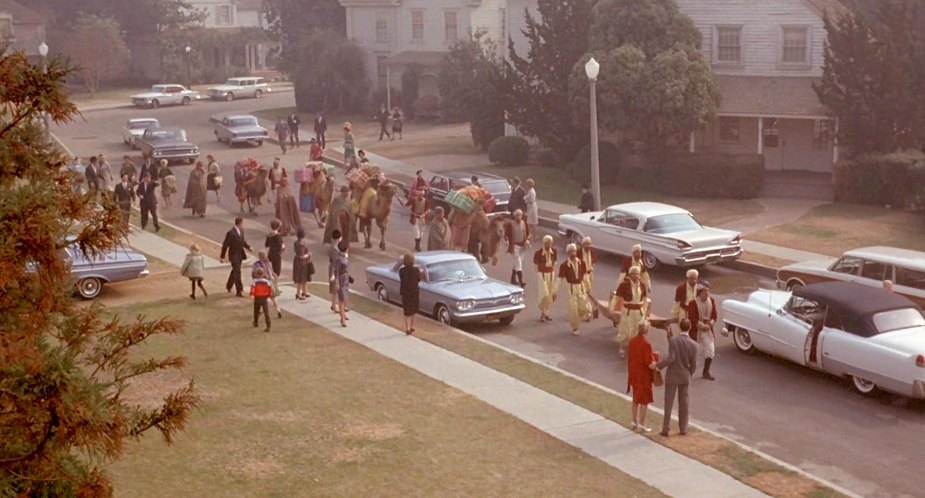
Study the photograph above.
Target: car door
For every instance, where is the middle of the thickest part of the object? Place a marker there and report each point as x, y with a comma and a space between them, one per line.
616, 230
873, 273
392, 284
784, 333
847, 353
428, 298
910, 283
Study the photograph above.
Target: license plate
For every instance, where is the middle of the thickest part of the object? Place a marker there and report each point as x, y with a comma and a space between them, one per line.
493, 316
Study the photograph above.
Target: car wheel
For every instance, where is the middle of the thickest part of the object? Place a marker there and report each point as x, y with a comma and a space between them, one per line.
863, 385
382, 294
649, 260
89, 287
259, 143
576, 239
794, 285
743, 340
229, 97
155, 104
258, 94
185, 101
443, 315
506, 320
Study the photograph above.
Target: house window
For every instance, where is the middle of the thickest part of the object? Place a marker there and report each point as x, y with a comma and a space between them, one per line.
223, 15
417, 24
729, 130
795, 46
729, 44
382, 70
450, 25
6, 28
502, 22
382, 28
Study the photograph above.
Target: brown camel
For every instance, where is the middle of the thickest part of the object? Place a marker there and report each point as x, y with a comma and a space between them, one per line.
477, 232
378, 209
322, 188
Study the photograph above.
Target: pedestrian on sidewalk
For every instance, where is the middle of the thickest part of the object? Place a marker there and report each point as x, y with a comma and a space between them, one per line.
572, 274
168, 181
586, 205
684, 294
336, 238
518, 236
129, 168
92, 175
342, 279
532, 212
419, 207
214, 180
349, 145
302, 266
545, 261
234, 247
398, 122
196, 191
294, 122
383, 117
630, 306
104, 175
147, 201
702, 314
316, 151
639, 368
194, 268
518, 196
409, 277
321, 127
275, 246
261, 291
147, 166
263, 264
635, 261
679, 365
282, 132
438, 232
125, 196
589, 256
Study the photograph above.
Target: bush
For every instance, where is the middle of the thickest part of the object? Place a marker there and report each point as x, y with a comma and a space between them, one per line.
895, 179
735, 176
548, 159
221, 73
608, 153
427, 107
508, 151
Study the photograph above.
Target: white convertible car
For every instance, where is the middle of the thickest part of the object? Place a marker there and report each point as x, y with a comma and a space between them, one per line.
668, 234
875, 338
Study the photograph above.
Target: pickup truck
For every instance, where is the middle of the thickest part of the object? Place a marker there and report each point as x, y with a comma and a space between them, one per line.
167, 143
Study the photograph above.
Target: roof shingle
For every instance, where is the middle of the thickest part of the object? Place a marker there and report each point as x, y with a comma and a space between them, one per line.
769, 96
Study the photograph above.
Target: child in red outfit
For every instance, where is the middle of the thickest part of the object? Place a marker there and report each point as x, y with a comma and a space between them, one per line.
261, 290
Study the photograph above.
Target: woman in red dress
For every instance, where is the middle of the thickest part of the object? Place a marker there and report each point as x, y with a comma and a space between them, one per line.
639, 377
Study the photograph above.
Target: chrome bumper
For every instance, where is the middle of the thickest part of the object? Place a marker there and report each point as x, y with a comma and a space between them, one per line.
918, 389
699, 259
485, 315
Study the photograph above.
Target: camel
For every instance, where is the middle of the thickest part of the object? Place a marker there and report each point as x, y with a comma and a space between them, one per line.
378, 209
476, 233
322, 188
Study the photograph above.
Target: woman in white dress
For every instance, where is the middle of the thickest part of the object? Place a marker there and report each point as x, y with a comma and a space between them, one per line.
532, 213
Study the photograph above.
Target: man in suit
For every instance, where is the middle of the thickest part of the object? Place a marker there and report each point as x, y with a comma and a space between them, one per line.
234, 246
517, 200
147, 201
125, 196
92, 174
294, 122
321, 127
681, 363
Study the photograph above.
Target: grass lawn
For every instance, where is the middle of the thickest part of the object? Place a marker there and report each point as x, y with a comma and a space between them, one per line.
716, 452
303, 412
835, 228
555, 185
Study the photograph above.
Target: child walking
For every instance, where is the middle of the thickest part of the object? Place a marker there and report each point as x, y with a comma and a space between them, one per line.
261, 290
194, 267
263, 263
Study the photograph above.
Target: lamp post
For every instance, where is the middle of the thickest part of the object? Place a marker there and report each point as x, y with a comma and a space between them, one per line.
189, 78
592, 69
43, 51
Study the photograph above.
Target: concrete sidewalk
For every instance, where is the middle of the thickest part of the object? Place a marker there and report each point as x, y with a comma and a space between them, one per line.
164, 249
632, 453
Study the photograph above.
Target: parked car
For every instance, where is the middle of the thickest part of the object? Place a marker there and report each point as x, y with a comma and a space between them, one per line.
668, 234
136, 127
167, 143
869, 335
454, 289
866, 266
165, 95
497, 186
240, 87
241, 128
116, 265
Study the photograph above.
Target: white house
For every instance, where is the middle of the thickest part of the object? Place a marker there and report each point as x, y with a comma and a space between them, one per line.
237, 16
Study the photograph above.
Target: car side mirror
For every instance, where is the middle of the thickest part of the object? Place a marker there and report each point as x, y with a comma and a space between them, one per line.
592, 218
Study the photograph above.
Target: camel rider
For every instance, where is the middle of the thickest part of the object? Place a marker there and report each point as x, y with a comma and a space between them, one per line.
635, 260
683, 295
361, 204
419, 206
545, 261
518, 236
572, 274
630, 307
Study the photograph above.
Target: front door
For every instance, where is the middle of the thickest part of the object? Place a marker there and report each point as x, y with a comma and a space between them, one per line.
773, 144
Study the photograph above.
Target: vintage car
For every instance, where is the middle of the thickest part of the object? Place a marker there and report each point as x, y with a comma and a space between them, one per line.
454, 289
135, 128
497, 186
866, 266
167, 143
116, 265
869, 335
234, 88
668, 234
165, 95
241, 128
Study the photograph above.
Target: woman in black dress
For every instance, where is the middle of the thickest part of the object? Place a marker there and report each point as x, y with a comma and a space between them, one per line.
409, 277
275, 247
302, 267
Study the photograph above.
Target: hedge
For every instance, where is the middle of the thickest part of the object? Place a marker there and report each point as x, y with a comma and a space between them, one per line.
731, 176
894, 179
508, 151
580, 168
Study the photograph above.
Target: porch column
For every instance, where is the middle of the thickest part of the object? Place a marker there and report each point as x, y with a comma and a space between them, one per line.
760, 135
388, 87
835, 144
690, 144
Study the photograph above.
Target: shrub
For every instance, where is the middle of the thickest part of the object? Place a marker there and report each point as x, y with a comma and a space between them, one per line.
609, 155
548, 159
735, 176
509, 151
221, 73
427, 107
894, 179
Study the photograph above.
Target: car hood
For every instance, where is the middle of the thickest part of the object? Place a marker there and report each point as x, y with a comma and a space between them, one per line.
248, 129
814, 265
580, 217
147, 95
477, 289
705, 237
170, 143
910, 341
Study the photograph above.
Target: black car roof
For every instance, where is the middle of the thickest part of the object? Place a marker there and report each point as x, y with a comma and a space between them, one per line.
854, 302
467, 175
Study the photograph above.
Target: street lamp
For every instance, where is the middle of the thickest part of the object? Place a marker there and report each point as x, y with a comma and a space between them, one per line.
43, 51
592, 69
189, 78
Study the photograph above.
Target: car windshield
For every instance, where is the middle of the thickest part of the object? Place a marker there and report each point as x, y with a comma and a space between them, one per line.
242, 122
141, 125
671, 223
159, 89
905, 318
458, 270
166, 134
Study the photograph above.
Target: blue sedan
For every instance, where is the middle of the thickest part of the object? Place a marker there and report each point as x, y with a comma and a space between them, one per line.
115, 265
454, 289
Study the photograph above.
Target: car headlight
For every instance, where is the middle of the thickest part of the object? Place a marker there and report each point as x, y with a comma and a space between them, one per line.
465, 305
517, 298
156, 153
195, 150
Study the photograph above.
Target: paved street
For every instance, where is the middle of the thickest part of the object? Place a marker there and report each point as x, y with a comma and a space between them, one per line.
867, 445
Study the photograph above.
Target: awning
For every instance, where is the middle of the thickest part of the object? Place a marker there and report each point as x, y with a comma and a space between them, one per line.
769, 96
420, 57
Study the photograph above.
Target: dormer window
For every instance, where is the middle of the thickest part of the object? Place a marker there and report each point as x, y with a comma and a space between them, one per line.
728, 45
795, 45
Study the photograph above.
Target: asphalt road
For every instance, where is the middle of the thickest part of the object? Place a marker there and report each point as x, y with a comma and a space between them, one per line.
870, 445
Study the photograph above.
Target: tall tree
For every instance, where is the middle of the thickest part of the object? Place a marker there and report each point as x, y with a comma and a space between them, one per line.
652, 26
329, 74
95, 43
293, 21
537, 100
65, 369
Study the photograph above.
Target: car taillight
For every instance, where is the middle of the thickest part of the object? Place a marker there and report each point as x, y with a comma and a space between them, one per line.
683, 245
920, 361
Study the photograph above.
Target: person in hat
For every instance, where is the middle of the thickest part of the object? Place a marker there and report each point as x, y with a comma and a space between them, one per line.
545, 261
340, 217
419, 207
518, 236
630, 306
635, 260
586, 204
572, 274
589, 256
517, 201
702, 314
684, 293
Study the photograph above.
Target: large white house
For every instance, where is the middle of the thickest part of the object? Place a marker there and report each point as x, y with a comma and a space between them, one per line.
237, 16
